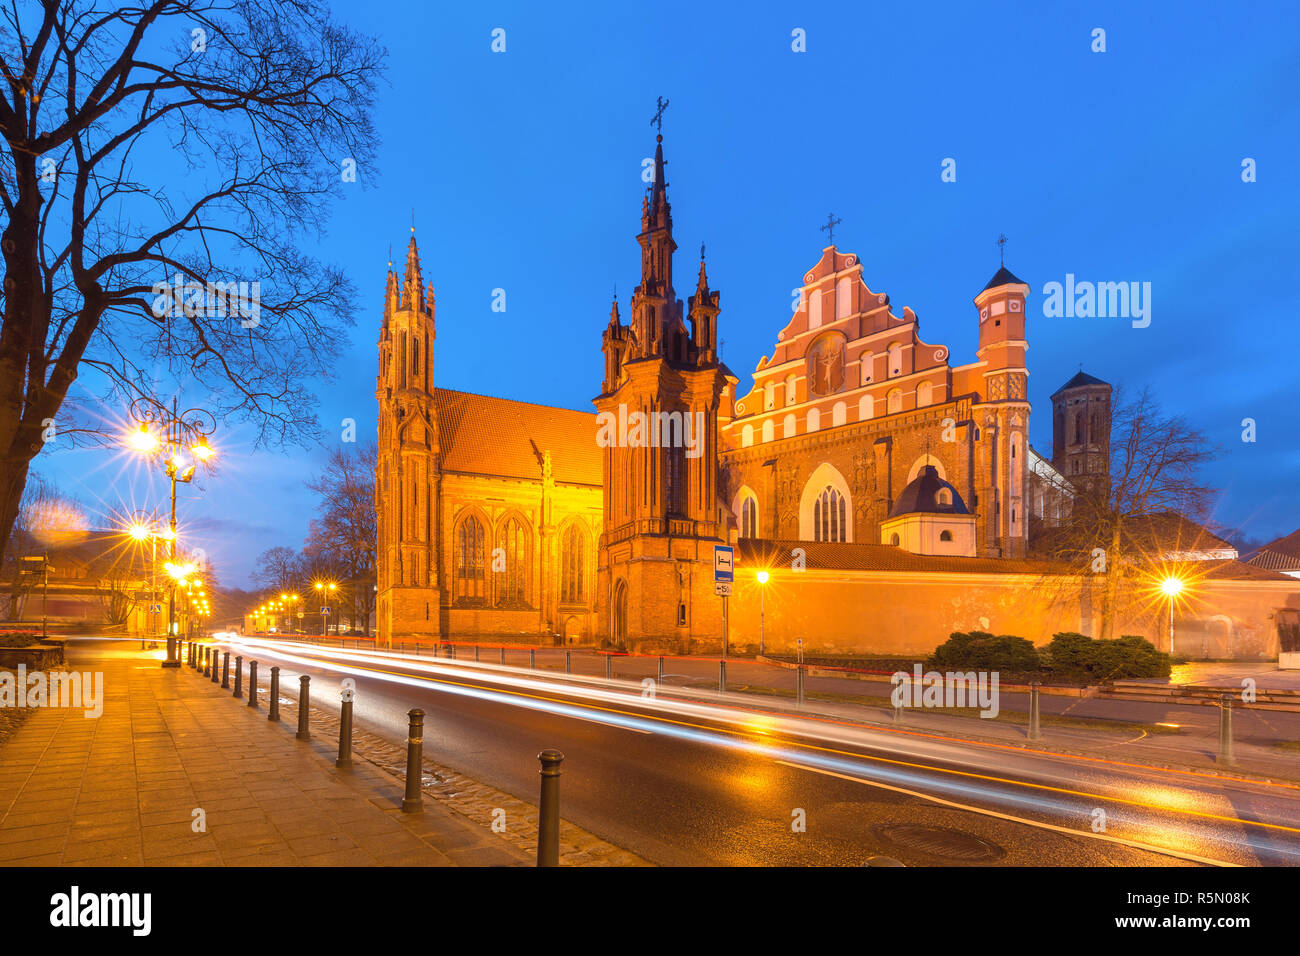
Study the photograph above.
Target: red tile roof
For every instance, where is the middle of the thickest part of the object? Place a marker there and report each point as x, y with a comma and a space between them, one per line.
485, 435
1280, 555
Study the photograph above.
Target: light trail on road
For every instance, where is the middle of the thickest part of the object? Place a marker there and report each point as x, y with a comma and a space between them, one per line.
600, 703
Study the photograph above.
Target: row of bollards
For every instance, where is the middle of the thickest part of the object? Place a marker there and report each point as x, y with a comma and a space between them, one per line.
548, 820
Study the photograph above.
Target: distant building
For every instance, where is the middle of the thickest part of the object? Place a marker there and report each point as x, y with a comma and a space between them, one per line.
1281, 555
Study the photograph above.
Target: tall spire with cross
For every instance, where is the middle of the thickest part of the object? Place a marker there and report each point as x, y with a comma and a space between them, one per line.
1002, 249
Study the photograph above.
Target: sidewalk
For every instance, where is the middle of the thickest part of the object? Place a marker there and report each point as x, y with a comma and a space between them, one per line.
122, 789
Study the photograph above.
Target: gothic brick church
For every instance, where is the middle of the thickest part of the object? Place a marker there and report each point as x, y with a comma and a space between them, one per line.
504, 519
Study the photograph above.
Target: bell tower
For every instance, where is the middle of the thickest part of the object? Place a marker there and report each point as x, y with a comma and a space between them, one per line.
1002, 418
407, 466
656, 421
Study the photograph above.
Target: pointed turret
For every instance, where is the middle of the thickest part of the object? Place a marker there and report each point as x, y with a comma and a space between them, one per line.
704, 318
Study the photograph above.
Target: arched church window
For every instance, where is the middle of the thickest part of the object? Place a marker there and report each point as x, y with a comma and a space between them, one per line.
814, 419
747, 436
945, 535
893, 539
1078, 428
866, 408
749, 518
790, 393
865, 363
924, 394
573, 563
814, 308
788, 427
894, 401
676, 474
769, 430
943, 497
1094, 428
839, 414
828, 516
769, 399
512, 582
470, 545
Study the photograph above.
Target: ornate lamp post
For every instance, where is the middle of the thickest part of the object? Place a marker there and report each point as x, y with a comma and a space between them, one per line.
762, 577
168, 435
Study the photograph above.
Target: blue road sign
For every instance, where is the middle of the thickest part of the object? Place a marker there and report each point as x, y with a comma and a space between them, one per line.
722, 563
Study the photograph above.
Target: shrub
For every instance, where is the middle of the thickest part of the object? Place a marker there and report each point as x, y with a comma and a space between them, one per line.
979, 650
1081, 659
19, 638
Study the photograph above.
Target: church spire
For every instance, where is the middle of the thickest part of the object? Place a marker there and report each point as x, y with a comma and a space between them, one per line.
704, 309
412, 284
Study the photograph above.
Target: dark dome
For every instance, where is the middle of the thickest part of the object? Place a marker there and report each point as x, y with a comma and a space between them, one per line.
921, 496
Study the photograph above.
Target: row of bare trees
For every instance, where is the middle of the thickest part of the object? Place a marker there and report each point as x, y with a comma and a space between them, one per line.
340, 544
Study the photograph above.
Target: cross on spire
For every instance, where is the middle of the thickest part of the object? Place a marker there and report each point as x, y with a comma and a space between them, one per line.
701, 252
658, 120
829, 228
1002, 249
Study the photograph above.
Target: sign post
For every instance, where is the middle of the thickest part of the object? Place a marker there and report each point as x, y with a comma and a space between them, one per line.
723, 576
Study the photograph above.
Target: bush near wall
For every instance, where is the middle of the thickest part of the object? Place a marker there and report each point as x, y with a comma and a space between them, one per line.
1078, 658
19, 638
978, 650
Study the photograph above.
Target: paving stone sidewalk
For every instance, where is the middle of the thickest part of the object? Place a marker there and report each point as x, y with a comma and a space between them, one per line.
122, 789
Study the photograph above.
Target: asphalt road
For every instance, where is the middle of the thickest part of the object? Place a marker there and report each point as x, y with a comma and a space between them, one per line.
701, 784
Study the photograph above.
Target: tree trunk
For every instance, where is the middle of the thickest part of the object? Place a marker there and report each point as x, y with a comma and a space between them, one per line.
1114, 569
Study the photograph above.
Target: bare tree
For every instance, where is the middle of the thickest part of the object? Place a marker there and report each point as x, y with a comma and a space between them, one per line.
163, 165
279, 569
344, 531
46, 518
1155, 462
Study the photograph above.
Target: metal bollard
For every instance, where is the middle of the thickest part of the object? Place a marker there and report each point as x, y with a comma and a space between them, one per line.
216, 665
548, 810
609, 667
475, 653
1034, 733
659, 676
798, 685
239, 676
304, 707
345, 733
225, 670
532, 658
189, 653
1226, 756
413, 802
503, 655
209, 654
273, 708
252, 683
722, 677
452, 649
568, 662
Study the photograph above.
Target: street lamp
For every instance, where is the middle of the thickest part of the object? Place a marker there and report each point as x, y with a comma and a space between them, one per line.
762, 602
168, 434
1171, 587
325, 589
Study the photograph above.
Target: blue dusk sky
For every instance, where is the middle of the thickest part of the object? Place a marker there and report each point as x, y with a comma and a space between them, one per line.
523, 169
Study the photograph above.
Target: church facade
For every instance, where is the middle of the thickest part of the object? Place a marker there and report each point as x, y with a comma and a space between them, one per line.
860, 446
